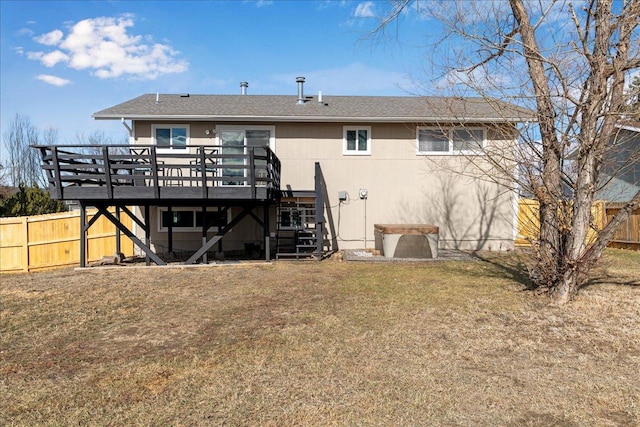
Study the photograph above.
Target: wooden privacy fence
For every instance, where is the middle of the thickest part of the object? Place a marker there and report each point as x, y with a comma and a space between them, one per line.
38, 242
627, 235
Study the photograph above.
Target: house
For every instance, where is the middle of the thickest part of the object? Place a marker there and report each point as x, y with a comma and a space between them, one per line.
334, 167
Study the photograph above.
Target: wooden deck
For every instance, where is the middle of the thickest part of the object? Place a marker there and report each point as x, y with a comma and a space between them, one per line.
245, 178
144, 174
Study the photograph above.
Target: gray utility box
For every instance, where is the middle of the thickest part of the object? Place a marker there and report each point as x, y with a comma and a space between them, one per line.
407, 240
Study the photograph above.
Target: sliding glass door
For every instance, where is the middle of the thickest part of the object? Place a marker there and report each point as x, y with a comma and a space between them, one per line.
232, 142
235, 144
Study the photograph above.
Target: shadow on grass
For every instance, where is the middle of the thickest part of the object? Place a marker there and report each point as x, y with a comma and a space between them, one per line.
512, 266
605, 278
616, 267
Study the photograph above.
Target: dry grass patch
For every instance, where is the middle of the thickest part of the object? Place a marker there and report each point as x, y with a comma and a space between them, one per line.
452, 343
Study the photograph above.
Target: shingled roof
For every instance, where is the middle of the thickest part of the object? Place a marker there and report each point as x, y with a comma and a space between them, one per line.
283, 108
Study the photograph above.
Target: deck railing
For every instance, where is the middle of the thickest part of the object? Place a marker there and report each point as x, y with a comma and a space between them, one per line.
200, 171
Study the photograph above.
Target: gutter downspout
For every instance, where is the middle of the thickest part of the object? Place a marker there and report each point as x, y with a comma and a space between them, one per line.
129, 129
126, 125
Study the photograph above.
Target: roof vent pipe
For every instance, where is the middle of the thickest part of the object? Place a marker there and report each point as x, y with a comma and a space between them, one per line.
300, 81
243, 88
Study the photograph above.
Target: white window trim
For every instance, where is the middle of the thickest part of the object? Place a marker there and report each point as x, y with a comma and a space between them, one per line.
240, 127
346, 152
451, 151
169, 125
193, 229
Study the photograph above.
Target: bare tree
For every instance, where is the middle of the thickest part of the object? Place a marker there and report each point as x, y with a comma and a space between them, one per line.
23, 163
570, 66
4, 177
95, 140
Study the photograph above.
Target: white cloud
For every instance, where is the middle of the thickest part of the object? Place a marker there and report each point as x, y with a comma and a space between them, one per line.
327, 4
104, 46
479, 80
364, 10
52, 58
25, 32
53, 80
35, 56
50, 39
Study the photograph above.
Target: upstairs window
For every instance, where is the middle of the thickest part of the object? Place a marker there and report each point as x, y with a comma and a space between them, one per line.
467, 140
438, 141
171, 137
356, 140
433, 141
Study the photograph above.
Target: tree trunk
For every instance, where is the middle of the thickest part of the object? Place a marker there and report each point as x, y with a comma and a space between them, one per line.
548, 191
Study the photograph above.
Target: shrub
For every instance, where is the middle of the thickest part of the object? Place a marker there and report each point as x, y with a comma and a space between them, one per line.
29, 201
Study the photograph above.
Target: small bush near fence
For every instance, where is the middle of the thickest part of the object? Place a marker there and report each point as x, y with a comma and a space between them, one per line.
38, 242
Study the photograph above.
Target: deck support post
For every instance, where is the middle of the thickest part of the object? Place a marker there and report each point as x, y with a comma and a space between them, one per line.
118, 243
205, 226
83, 235
147, 234
265, 227
169, 228
226, 214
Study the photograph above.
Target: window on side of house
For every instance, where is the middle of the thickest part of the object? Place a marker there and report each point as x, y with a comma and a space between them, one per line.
467, 140
356, 140
433, 140
170, 137
190, 219
453, 141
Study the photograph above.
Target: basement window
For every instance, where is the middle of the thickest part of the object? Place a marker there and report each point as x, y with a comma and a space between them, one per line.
190, 219
452, 141
356, 141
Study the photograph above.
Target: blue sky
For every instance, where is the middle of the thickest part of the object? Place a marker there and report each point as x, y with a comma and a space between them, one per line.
61, 61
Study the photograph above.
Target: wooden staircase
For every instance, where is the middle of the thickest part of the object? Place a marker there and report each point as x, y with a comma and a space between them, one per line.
297, 226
